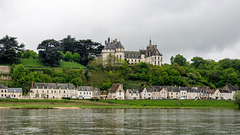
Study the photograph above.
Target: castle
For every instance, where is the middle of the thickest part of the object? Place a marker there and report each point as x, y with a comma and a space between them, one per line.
151, 55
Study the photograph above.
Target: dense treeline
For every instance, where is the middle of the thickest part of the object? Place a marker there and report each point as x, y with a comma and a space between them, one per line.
68, 49
180, 72
51, 51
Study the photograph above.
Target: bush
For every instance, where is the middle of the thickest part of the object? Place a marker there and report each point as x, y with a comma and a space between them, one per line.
66, 98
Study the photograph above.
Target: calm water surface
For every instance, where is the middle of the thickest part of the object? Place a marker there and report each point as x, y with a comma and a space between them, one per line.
119, 121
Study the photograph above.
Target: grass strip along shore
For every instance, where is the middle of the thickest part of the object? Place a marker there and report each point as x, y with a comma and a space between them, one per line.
144, 104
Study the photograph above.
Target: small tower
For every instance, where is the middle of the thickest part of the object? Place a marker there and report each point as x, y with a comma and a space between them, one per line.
150, 42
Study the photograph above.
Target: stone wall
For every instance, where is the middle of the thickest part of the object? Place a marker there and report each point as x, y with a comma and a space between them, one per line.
5, 69
5, 77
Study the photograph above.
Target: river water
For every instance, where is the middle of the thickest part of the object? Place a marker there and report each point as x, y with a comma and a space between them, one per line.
119, 121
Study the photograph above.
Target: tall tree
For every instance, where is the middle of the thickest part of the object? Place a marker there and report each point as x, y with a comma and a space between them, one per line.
9, 49
85, 48
179, 59
76, 57
49, 52
198, 61
68, 44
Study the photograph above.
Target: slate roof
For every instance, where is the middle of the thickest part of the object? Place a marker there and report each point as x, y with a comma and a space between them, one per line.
14, 90
2, 86
113, 45
157, 88
230, 87
114, 88
85, 88
211, 91
141, 89
133, 90
173, 89
54, 86
224, 91
132, 54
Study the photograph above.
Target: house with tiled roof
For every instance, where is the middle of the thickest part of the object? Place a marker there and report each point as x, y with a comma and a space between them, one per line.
173, 92
114, 48
145, 93
116, 92
53, 90
88, 92
132, 94
3, 91
6, 92
159, 92
15, 92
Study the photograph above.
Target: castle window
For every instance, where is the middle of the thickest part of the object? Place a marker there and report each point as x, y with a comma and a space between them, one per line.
120, 56
135, 60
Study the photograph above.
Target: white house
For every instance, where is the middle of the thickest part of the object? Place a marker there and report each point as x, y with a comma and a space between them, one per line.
145, 93
132, 94
85, 92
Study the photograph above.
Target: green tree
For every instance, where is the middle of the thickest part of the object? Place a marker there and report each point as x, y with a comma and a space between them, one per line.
20, 77
62, 55
237, 98
49, 52
179, 59
27, 54
85, 48
9, 50
77, 81
68, 56
76, 57
198, 61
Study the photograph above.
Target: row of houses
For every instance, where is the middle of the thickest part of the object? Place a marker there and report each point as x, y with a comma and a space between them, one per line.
68, 90
170, 92
63, 90
6, 92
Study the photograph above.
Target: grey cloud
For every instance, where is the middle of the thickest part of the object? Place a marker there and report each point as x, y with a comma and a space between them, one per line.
191, 28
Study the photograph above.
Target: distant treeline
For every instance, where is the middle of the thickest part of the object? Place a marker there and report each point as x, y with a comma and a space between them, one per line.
50, 51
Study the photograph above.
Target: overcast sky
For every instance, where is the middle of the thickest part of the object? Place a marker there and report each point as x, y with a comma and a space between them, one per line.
205, 28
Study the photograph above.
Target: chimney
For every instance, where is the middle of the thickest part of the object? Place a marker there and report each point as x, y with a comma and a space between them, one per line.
69, 84
56, 83
105, 43
32, 84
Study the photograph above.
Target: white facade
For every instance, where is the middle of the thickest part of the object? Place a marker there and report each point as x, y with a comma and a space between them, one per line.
53, 90
183, 94
146, 94
151, 55
132, 94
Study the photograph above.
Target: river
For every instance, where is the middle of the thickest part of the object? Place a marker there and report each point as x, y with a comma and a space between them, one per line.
119, 121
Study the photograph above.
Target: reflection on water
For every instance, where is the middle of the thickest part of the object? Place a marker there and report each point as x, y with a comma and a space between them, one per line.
119, 121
